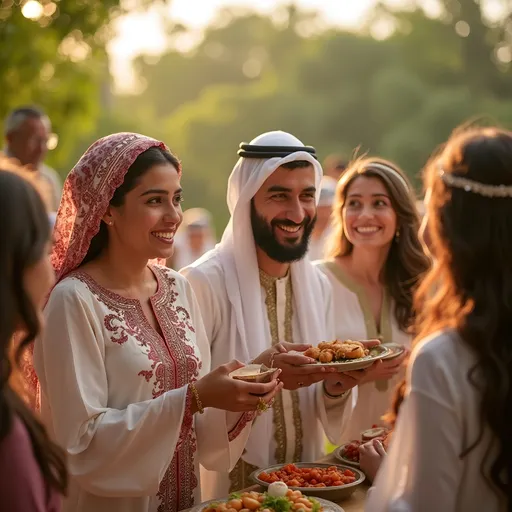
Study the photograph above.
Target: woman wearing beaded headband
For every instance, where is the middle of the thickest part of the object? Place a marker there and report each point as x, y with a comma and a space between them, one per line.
124, 364
452, 447
374, 262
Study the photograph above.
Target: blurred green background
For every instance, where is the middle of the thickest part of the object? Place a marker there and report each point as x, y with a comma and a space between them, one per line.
395, 87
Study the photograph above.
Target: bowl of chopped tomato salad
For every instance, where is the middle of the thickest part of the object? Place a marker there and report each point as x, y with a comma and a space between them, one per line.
329, 481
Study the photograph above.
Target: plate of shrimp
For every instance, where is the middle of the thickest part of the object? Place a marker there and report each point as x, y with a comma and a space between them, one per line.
346, 355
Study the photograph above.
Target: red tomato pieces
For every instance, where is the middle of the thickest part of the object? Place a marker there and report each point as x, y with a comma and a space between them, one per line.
351, 451
293, 476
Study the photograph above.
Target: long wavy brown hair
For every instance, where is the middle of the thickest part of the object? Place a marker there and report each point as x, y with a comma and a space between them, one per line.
469, 288
406, 262
25, 237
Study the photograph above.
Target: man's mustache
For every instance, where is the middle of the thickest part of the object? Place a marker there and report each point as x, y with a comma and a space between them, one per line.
290, 223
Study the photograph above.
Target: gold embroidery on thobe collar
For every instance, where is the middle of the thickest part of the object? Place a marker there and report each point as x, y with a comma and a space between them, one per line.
269, 285
239, 476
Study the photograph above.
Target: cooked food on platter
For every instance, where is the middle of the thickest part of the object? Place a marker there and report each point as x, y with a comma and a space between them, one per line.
330, 481
346, 355
310, 477
329, 351
254, 373
278, 498
349, 452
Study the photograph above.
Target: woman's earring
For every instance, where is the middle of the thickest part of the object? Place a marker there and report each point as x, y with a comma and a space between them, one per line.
397, 235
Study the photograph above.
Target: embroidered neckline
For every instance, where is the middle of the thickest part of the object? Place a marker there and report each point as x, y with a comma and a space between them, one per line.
88, 279
372, 331
268, 280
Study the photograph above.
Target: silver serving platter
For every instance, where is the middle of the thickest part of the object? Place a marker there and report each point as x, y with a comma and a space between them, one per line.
376, 353
395, 348
338, 493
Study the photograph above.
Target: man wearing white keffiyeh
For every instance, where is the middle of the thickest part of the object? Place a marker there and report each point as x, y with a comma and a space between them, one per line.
257, 291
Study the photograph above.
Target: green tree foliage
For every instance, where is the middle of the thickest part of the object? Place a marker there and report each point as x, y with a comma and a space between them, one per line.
398, 98
58, 60
338, 90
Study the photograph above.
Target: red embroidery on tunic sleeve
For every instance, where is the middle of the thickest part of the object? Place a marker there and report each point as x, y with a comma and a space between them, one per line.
188, 420
247, 417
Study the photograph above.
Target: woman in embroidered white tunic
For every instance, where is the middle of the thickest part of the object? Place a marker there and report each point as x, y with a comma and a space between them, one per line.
451, 449
375, 260
124, 362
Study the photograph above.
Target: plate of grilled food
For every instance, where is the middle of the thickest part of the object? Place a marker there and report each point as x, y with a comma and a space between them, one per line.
346, 355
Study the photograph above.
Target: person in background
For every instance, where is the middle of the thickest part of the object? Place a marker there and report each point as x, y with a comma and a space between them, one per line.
334, 166
27, 133
124, 364
374, 262
322, 227
452, 449
195, 237
33, 473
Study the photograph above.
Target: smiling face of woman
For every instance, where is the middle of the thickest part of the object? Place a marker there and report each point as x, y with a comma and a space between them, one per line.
369, 218
146, 222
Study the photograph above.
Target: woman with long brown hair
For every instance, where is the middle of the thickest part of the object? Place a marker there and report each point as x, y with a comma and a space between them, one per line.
374, 263
32, 468
452, 448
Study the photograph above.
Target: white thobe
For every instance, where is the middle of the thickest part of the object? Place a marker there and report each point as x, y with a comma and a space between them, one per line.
354, 320
438, 420
115, 396
296, 431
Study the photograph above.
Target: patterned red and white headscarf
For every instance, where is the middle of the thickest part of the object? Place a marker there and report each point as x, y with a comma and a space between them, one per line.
87, 192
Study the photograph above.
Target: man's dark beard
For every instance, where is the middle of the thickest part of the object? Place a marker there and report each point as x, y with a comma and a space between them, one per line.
265, 239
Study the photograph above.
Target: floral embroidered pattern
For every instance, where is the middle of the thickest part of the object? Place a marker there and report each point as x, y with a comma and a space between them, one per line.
174, 363
114, 324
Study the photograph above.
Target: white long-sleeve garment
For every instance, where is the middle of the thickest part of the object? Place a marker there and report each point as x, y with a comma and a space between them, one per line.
115, 396
228, 286
423, 471
353, 319
316, 413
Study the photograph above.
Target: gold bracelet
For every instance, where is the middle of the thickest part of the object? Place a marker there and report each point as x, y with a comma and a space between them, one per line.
199, 404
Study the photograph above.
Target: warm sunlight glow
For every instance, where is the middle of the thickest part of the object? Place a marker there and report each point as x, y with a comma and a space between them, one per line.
32, 10
145, 33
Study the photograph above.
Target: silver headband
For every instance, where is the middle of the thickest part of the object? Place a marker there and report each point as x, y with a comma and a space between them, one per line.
475, 187
390, 170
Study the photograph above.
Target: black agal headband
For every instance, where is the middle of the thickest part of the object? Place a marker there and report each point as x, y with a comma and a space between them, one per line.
254, 151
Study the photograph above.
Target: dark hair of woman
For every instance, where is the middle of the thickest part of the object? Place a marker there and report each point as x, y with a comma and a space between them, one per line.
406, 262
469, 288
25, 238
149, 158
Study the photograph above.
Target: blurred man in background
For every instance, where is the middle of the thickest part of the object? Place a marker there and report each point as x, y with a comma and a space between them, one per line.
27, 134
195, 237
323, 218
334, 166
